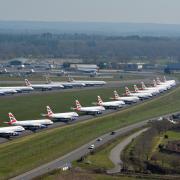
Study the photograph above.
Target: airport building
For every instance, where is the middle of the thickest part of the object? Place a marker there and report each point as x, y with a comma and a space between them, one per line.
84, 67
130, 66
18, 61
172, 68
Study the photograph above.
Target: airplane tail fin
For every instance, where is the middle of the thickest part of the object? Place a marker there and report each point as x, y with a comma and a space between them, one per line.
154, 83
143, 85
116, 95
164, 78
70, 79
99, 100
49, 111
78, 105
27, 82
136, 88
12, 118
158, 80
127, 91
48, 80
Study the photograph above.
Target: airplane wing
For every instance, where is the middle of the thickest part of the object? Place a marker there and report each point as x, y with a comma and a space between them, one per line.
44, 115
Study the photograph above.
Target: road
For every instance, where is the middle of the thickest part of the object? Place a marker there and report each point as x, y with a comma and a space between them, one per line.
115, 154
81, 151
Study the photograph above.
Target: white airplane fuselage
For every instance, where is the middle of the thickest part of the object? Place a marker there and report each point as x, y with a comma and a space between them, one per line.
33, 123
151, 91
128, 99
141, 95
93, 109
91, 83
10, 131
113, 104
66, 115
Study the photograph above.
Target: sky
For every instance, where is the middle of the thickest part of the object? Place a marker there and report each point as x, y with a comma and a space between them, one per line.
141, 11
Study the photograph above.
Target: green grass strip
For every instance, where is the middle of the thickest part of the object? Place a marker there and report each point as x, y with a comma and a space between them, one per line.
26, 153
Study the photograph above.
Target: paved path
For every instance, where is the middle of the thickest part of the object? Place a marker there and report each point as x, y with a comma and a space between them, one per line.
115, 154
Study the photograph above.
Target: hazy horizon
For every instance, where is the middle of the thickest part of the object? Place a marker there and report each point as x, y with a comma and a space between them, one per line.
114, 11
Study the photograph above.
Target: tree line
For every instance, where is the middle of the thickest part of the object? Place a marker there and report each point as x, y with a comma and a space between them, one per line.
91, 48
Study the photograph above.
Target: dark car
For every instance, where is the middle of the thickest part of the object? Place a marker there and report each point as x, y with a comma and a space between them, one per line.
113, 132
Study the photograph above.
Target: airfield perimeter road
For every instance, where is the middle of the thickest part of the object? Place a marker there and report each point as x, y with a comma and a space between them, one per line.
115, 154
80, 152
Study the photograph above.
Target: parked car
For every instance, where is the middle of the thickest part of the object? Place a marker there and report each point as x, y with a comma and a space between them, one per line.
113, 132
99, 139
92, 146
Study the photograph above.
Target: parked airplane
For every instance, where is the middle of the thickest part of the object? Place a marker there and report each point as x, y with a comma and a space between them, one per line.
143, 92
110, 104
171, 82
150, 88
89, 110
63, 116
126, 99
8, 132
66, 84
30, 124
161, 88
88, 83
167, 85
77, 84
140, 95
17, 88
148, 91
42, 86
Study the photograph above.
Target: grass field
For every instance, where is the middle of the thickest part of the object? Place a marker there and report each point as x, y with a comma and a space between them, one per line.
137, 153
28, 152
173, 135
73, 175
31, 106
168, 160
